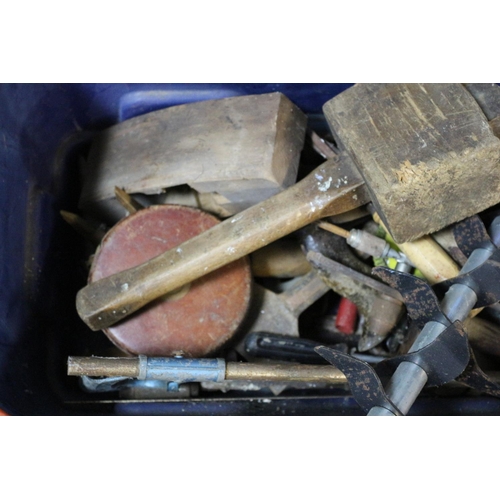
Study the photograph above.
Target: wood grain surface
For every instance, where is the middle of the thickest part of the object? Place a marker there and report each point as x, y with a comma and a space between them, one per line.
244, 148
426, 151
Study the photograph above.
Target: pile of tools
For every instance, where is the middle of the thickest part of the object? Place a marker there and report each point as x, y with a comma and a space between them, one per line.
234, 249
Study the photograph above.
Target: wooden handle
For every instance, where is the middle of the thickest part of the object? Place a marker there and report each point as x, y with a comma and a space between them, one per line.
334, 187
332, 228
428, 257
281, 259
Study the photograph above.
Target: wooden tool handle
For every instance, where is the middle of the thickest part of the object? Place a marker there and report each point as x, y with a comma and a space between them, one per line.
282, 259
334, 187
428, 257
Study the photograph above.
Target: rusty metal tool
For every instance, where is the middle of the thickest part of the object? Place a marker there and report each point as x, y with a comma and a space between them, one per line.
279, 312
410, 378
441, 352
387, 146
334, 187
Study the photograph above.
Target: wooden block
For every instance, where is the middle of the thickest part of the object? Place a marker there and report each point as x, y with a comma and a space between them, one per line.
244, 148
426, 152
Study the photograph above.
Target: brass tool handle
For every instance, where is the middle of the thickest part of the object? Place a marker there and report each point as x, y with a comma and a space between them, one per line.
333, 187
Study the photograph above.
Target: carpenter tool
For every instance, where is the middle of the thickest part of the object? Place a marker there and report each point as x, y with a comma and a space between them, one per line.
215, 374
438, 267
441, 352
244, 148
407, 152
279, 312
181, 370
196, 319
351, 215
426, 152
381, 305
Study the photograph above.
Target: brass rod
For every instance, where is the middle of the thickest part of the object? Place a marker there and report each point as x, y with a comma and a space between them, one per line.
289, 372
284, 372
129, 367
103, 367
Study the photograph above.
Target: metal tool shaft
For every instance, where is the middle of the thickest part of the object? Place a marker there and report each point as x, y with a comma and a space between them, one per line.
409, 378
183, 370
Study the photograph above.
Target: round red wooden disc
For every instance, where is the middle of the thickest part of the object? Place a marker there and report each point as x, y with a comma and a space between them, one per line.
193, 321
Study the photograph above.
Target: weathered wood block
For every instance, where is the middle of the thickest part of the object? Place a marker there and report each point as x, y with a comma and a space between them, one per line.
426, 151
244, 148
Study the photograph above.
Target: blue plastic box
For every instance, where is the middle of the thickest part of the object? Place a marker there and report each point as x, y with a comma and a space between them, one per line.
43, 130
